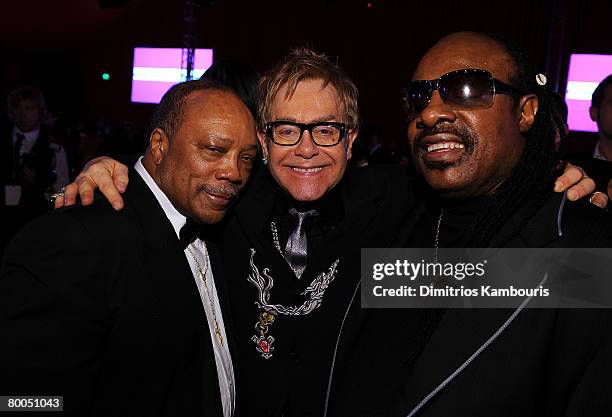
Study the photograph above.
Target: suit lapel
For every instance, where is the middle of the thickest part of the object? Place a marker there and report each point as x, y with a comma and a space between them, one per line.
177, 293
168, 267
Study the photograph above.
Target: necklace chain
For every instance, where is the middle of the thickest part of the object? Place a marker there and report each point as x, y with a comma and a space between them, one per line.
275, 237
202, 272
437, 236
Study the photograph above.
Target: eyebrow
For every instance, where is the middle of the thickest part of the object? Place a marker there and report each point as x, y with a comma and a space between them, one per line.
222, 139
326, 118
226, 141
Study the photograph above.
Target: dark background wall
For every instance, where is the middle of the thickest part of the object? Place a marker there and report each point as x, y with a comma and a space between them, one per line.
63, 46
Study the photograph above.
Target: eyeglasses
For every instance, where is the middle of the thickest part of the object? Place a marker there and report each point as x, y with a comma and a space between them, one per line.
287, 133
467, 89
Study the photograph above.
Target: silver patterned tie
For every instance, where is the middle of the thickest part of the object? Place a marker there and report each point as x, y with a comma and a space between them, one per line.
297, 246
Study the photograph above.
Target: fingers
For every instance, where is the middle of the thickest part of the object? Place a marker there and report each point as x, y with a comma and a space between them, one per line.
107, 187
110, 176
71, 192
571, 175
85, 187
575, 180
599, 199
121, 177
58, 202
584, 188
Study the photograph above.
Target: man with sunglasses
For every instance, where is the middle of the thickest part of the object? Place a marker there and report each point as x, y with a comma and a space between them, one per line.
482, 136
292, 244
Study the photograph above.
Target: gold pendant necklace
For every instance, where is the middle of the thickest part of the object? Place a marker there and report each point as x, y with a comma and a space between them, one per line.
202, 273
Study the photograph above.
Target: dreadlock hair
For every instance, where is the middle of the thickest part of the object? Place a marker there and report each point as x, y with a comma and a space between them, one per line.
559, 115
531, 180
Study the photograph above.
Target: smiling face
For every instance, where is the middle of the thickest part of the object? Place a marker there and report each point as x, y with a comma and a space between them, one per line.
209, 159
466, 153
307, 171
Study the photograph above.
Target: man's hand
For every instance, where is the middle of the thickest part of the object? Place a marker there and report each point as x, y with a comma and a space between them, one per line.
110, 176
579, 185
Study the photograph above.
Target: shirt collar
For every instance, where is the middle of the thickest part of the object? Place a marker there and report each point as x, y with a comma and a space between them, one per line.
176, 218
30, 136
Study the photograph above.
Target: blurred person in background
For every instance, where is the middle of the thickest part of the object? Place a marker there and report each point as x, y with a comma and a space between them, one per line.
34, 165
598, 167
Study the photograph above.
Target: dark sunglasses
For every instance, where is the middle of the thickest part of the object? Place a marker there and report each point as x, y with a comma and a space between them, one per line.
466, 89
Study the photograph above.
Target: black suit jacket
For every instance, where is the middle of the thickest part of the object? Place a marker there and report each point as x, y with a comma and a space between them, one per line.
101, 307
293, 382
547, 362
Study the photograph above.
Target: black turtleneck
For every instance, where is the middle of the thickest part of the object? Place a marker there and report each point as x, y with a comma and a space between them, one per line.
458, 218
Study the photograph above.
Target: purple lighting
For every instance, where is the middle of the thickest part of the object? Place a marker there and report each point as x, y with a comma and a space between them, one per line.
586, 71
157, 69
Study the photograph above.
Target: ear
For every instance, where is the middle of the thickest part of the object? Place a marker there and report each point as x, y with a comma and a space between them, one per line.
529, 105
349, 142
159, 144
261, 136
594, 114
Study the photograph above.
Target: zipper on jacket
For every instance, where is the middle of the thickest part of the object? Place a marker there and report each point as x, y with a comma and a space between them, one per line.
333, 364
478, 351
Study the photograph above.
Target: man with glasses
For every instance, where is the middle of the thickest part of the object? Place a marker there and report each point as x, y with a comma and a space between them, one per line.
291, 247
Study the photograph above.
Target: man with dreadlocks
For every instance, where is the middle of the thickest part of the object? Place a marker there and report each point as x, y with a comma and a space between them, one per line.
482, 136
290, 304
489, 157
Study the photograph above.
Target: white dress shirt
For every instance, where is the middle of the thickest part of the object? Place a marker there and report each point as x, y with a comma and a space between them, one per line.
208, 294
29, 140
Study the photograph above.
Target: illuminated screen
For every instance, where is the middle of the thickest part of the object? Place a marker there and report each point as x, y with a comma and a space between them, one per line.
157, 69
586, 71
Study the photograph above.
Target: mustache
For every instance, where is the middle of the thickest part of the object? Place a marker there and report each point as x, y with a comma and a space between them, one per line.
226, 191
466, 136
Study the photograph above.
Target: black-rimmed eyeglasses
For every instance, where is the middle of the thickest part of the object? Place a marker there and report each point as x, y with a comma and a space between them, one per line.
286, 133
467, 89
